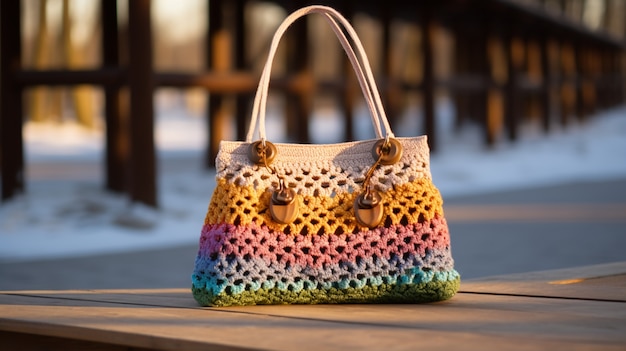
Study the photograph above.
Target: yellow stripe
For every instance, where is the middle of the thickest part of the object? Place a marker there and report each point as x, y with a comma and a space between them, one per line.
410, 203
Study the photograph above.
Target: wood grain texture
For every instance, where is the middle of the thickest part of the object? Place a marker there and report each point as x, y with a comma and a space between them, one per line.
597, 282
470, 319
579, 313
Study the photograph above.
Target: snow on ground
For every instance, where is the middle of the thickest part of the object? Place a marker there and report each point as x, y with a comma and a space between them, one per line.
65, 212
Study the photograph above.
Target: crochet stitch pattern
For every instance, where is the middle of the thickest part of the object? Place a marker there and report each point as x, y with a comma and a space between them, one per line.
324, 256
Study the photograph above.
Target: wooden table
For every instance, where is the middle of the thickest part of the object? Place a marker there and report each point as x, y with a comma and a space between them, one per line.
571, 309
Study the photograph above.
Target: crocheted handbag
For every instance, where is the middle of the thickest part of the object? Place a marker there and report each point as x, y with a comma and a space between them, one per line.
353, 222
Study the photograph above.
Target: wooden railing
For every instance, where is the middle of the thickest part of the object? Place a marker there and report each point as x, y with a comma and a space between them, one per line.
588, 75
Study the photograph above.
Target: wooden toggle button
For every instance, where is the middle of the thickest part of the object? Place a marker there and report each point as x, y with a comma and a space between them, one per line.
255, 153
368, 209
284, 206
389, 151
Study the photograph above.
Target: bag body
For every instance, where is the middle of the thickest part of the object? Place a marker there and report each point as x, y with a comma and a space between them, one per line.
335, 223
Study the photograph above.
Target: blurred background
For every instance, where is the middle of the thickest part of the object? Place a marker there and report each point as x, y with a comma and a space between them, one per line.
67, 34
112, 112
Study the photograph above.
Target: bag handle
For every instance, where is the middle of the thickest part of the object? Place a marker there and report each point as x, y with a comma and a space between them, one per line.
360, 65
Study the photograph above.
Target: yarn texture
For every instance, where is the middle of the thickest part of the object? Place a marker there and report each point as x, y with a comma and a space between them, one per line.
324, 255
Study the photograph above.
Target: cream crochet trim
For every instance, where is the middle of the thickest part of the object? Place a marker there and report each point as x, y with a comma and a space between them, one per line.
324, 169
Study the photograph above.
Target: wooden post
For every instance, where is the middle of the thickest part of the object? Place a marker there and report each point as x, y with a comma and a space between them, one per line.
514, 58
461, 68
11, 142
481, 102
589, 87
592, 84
142, 163
219, 59
567, 85
490, 102
618, 64
36, 99
580, 54
547, 77
348, 99
428, 77
615, 76
299, 101
609, 77
116, 147
243, 100
392, 93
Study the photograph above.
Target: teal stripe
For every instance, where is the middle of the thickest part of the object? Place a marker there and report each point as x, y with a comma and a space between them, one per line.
217, 285
385, 293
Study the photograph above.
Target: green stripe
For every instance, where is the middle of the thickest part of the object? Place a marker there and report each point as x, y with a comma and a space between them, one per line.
385, 293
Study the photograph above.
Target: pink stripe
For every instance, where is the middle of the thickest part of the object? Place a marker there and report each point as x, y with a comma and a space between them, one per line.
318, 250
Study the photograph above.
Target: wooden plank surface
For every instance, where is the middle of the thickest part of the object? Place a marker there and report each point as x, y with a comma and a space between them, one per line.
597, 282
169, 319
473, 320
